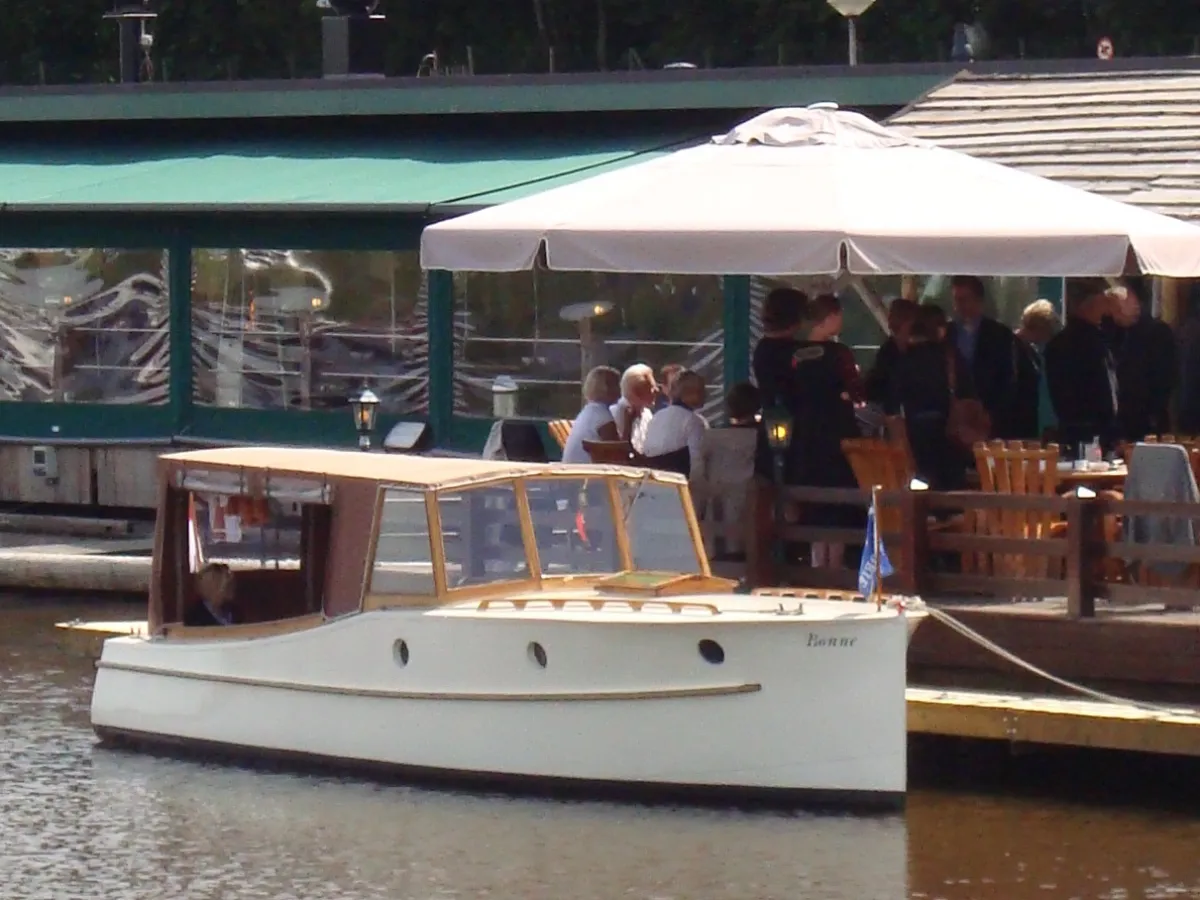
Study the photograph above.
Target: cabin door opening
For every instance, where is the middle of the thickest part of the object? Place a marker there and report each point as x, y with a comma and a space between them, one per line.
232, 558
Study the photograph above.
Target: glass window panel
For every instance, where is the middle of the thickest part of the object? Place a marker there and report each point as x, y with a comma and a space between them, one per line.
292, 329
659, 536
403, 561
246, 532
481, 535
84, 326
573, 526
512, 325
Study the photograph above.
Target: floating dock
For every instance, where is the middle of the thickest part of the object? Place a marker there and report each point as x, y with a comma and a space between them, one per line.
1054, 721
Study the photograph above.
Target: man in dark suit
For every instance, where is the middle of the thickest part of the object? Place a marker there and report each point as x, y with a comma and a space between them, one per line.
1082, 371
990, 350
1147, 365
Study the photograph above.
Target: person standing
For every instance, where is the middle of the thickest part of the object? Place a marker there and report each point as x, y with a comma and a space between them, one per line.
1033, 413
901, 315
989, 350
1147, 366
1082, 371
929, 376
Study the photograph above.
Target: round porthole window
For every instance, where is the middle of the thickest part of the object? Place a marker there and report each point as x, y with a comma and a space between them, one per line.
711, 652
537, 654
400, 652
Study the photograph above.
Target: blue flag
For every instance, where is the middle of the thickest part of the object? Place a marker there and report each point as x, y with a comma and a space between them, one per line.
871, 569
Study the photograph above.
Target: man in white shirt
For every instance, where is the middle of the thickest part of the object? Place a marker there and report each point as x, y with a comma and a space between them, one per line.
595, 422
633, 411
680, 424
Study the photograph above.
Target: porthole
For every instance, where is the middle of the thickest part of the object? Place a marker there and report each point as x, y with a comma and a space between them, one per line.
711, 652
400, 652
537, 654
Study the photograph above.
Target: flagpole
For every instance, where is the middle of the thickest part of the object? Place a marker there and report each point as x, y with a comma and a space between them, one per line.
878, 585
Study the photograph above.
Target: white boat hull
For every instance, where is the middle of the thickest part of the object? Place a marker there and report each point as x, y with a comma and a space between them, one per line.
809, 704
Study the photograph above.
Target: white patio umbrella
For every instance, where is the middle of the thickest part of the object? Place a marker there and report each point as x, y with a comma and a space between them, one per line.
817, 191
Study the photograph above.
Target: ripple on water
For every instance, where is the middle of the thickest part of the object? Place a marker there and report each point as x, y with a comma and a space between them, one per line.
80, 822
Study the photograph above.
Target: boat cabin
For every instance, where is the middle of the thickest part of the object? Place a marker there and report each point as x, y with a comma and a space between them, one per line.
257, 541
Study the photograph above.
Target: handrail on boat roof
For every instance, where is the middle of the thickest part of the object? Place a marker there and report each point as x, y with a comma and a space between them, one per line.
598, 603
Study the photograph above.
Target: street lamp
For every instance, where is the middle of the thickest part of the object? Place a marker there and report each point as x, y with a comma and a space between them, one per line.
583, 313
851, 10
365, 408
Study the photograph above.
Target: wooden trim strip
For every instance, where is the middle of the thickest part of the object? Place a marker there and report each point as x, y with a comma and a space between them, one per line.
437, 548
723, 690
693, 523
533, 561
246, 631
621, 533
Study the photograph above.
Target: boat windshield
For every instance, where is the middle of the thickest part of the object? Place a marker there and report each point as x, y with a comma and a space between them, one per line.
576, 530
660, 538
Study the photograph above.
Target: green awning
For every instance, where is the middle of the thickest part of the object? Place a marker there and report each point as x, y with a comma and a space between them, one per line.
434, 175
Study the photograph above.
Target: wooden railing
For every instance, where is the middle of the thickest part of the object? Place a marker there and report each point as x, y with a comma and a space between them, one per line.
933, 532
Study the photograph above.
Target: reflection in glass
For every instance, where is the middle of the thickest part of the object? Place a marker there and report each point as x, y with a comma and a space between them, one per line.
481, 536
403, 560
511, 325
573, 526
289, 329
659, 536
83, 326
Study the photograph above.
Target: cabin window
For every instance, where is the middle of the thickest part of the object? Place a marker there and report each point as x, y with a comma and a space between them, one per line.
573, 526
481, 536
403, 564
660, 539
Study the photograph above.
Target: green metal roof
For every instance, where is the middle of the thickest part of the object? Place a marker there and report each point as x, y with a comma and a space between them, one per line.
676, 89
429, 176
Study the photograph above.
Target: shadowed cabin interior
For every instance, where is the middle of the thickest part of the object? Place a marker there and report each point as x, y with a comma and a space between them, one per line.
278, 534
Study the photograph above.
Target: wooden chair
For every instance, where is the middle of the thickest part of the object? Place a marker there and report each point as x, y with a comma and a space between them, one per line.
720, 494
1020, 469
560, 429
886, 464
610, 452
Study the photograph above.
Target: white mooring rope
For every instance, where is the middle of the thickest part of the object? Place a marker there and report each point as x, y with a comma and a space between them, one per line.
987, 644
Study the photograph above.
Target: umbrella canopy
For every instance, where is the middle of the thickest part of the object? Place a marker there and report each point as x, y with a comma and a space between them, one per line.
817, 191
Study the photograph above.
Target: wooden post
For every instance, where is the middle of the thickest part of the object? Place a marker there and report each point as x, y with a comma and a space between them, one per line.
914, 543
1082, 520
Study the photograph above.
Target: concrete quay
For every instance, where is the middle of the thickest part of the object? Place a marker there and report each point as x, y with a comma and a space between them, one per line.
56, 556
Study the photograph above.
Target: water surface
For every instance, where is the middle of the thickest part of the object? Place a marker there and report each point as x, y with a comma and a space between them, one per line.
81, 822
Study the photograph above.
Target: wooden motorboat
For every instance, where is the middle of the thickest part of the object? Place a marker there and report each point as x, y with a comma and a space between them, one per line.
493, 622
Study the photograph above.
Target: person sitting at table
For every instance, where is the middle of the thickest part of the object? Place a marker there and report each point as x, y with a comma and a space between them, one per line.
1082, 371
666, 385
743, 406
215, 593
680, 425
601, 389
633, 411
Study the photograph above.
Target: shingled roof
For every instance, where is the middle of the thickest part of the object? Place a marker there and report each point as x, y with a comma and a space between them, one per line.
1130, 135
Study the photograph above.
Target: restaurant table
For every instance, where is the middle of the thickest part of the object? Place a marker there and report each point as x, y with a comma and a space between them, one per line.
1108, 478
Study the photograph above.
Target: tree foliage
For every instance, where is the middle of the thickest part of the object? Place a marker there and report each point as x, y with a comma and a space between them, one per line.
68, 41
